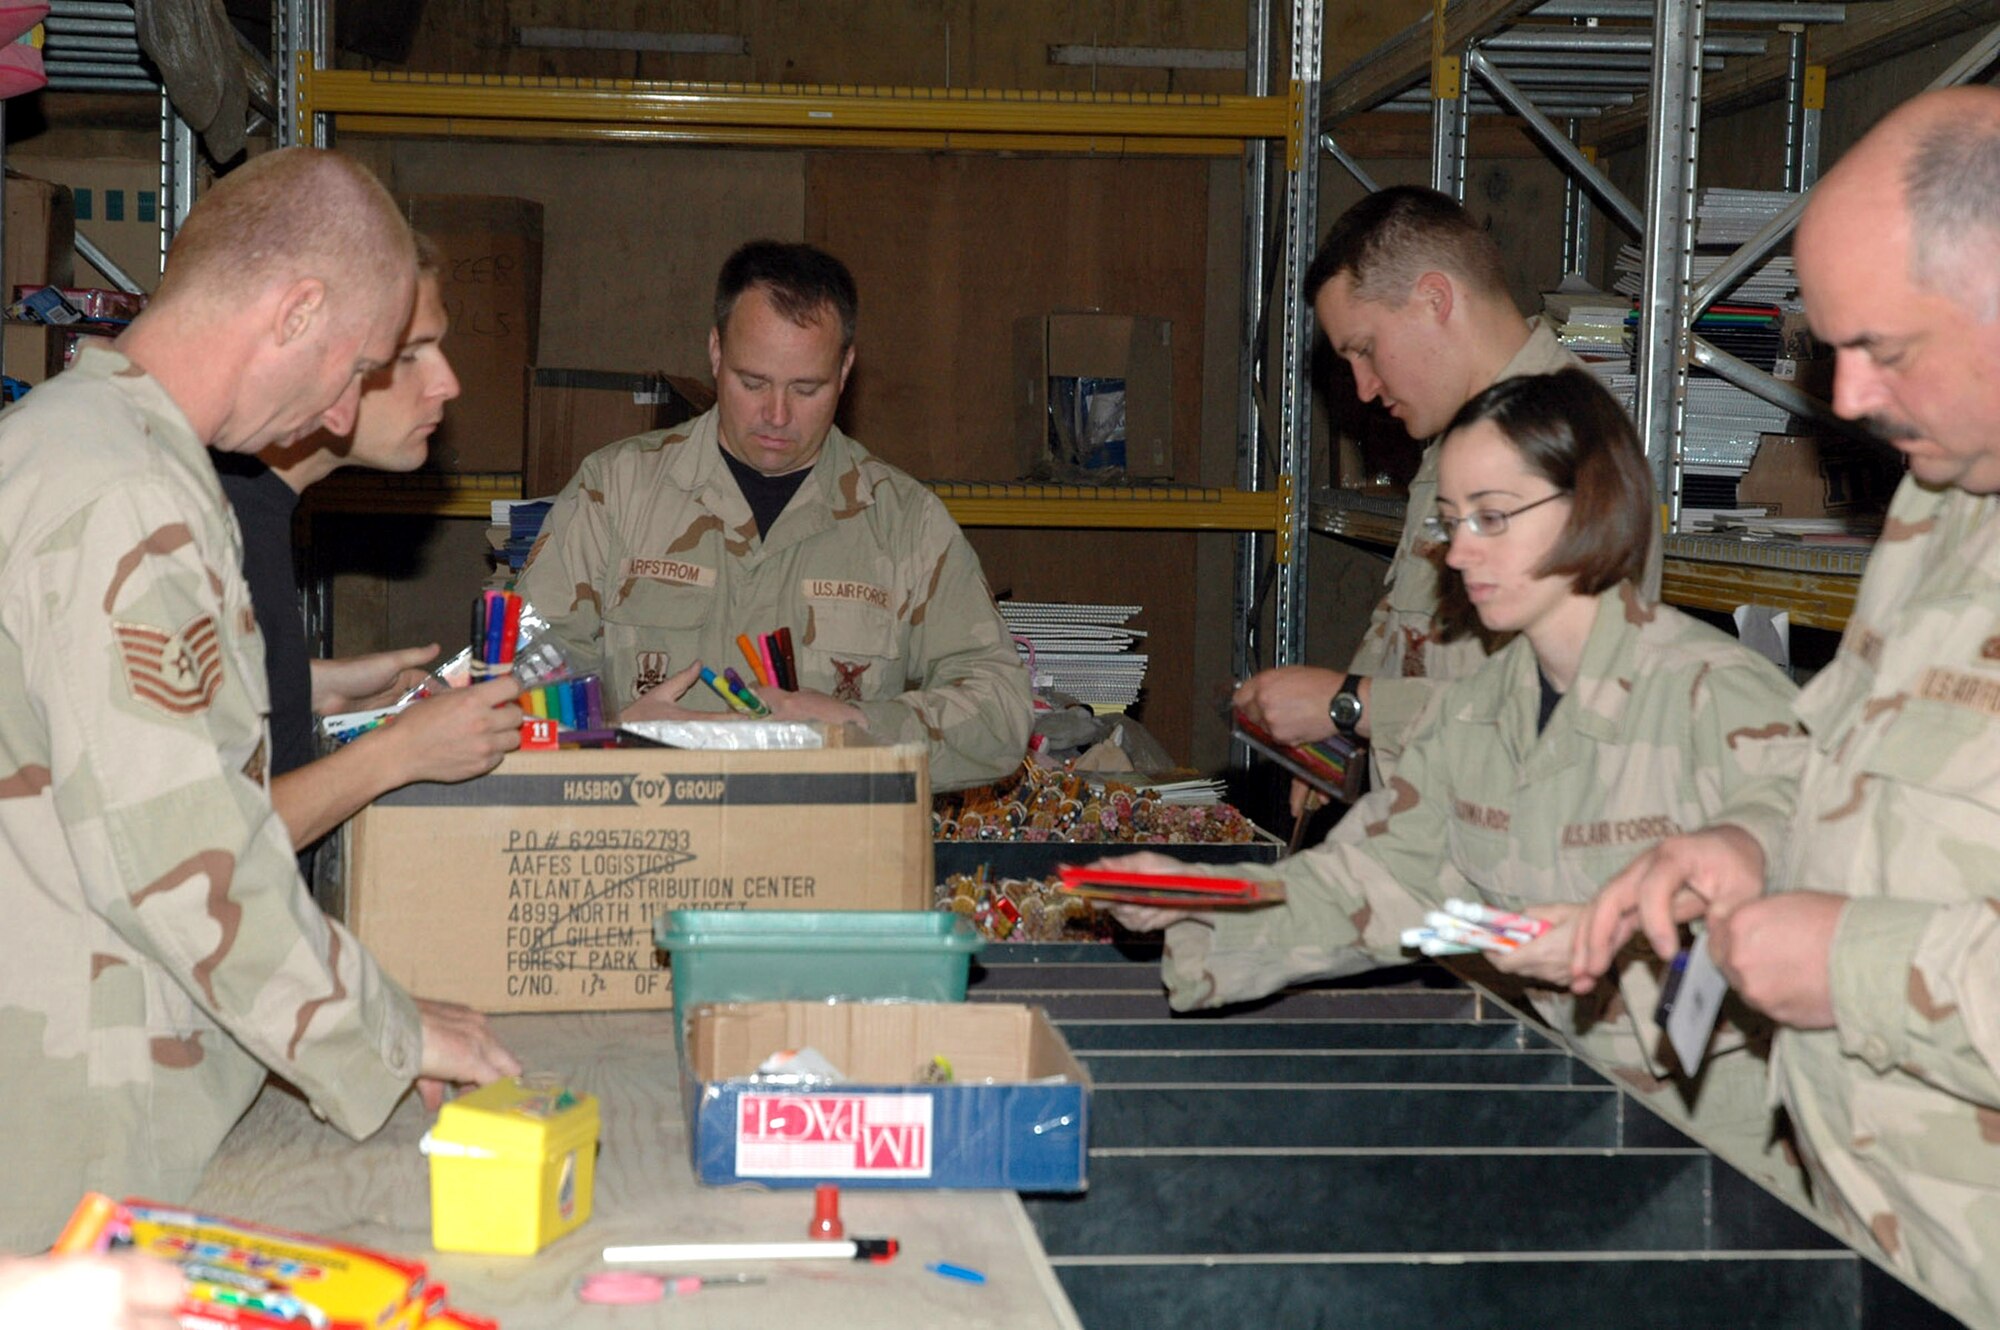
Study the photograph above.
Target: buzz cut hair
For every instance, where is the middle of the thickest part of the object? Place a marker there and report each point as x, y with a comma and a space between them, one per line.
1384, 243
287, 215
803, 282
1951, 187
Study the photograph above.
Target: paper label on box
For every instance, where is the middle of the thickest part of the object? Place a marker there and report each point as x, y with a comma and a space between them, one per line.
833, 1136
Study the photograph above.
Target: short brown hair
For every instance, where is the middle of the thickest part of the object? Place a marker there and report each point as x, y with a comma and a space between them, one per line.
430, 259
1394, 236
802, 281
1573, 434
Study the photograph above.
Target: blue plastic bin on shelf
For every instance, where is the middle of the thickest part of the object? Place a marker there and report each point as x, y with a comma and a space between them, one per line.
783, 955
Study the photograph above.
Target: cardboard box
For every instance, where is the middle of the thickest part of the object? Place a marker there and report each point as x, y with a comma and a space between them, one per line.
1803, 475
40, 248
117, 205
535, 887
492, 290
574, 412
1080, 352
1028, 1130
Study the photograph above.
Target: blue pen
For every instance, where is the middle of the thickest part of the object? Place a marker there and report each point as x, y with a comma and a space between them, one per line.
958, 1272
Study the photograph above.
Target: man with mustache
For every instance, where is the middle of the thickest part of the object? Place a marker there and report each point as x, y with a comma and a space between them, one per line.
763, 515
1869, 928
456, 736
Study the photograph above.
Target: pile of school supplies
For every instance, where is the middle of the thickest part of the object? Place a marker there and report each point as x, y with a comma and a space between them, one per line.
245, 1276
517, 525
1464, 927
1336, 767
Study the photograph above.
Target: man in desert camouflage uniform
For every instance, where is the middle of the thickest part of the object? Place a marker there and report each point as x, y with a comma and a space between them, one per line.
160, 951
762, 514
1868, 923
1666, 720
1411, 293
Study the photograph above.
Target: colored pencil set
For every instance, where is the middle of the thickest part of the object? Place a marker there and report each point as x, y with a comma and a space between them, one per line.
573, 704
771, 659
1335, 766
1464, 927
496, 630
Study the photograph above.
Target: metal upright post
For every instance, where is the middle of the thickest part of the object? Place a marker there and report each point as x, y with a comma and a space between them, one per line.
298, 34
177, 158
1672, 142
1250, 351
1301, 236
1449, 111
1576, 212
1795, 98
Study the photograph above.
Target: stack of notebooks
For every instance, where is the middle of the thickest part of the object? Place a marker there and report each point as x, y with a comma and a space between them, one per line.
1773, 284
1084, 651
517, 523
1732, 216
1592, 325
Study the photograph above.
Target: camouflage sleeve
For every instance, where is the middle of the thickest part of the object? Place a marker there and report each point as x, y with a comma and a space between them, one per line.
966, 692
1916, 986
1372, 656
1748, 751
566, 567
1346, 903
175, 847
1393, 707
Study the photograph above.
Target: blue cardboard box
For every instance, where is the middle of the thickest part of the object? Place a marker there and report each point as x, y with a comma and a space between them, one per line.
1016, 1114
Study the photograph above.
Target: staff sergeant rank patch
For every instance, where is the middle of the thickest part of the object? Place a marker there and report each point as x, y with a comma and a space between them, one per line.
178, 673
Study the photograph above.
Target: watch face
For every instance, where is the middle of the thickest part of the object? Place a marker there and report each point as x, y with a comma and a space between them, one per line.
1346, 710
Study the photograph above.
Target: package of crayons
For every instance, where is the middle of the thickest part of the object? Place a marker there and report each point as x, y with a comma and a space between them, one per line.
1336, 767
573, 704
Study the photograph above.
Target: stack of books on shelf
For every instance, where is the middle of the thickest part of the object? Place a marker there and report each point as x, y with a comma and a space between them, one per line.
1082, 651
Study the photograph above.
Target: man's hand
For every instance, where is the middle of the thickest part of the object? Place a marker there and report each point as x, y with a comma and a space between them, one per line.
457, 734
662, 701
362, 683
1290, 702
1681, 878
1546, 960
1775, 952
124, 1292
459, 1049
1145, 918
806, 704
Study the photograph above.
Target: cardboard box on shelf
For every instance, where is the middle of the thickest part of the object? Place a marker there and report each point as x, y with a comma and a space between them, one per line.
492, 287
535, 888
574, 412
40, 249
1805, 475
1073, 370
1015, 1115
117, 205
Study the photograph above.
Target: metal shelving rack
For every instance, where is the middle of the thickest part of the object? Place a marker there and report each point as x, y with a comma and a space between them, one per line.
1516, 57
315, 101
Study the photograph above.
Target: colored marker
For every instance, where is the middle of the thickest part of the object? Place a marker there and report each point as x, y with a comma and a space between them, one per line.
593, 699
510, 630
1492, 918
750, 654
773, 678
791, 661
89, 1227
964, 1274
879, 1250
754, 703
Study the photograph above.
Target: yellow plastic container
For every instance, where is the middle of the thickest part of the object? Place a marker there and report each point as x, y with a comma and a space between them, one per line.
512, 1165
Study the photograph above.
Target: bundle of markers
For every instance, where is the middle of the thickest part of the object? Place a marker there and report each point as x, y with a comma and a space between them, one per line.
729, 686
496, 629
573, 704
771, 659
1464, 927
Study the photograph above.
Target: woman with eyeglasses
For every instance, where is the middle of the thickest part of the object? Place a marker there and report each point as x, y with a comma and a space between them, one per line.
1605, 724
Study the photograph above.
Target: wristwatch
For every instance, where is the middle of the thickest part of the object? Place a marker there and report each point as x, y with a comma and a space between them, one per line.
1345, 709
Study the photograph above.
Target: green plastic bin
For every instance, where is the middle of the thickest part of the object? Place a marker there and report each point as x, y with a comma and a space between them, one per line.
783, 955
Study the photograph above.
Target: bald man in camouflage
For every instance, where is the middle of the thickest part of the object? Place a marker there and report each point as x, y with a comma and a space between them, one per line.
160, 951
761, 515
1868, 922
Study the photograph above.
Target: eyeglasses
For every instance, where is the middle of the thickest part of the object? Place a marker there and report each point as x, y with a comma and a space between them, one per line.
1484, 522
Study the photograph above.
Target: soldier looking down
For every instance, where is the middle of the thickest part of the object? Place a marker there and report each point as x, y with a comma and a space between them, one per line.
762, 515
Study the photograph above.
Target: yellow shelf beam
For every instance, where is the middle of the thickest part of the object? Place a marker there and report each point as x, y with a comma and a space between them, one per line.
426, 494
1814, 600
714, 112
1131, 145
